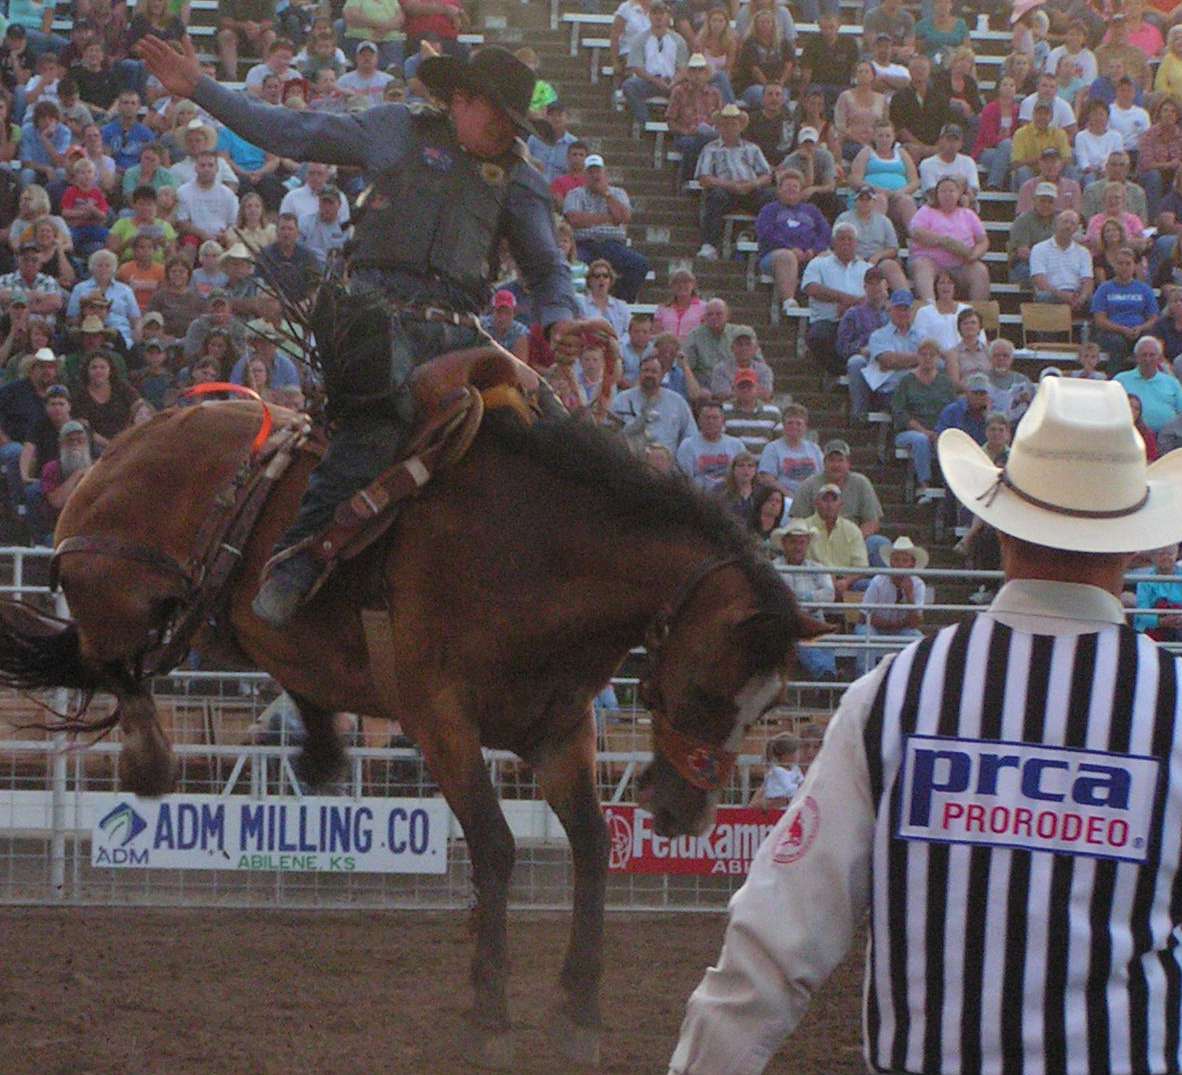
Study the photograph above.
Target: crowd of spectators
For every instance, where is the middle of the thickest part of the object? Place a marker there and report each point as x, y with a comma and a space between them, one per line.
143, 239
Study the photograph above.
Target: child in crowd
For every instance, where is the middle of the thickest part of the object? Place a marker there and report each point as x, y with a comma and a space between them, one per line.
85, 208
155, 382
209, 275
1089, 360
783, 776
143, 273
326, 96
634, 348
43, 85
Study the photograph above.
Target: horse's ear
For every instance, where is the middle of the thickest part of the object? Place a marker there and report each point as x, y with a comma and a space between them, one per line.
767, 636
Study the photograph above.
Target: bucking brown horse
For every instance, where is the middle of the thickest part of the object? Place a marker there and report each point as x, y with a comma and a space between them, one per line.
516, 584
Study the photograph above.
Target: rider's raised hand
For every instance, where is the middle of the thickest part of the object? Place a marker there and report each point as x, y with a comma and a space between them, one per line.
177, 72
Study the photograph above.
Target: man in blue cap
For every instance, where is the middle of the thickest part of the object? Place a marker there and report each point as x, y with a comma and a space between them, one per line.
449, 183
890, 352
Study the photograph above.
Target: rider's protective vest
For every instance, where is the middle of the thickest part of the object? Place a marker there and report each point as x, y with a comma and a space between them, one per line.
436, 217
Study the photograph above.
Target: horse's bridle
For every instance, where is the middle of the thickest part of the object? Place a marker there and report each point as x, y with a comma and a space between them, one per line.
703, 765
189, 577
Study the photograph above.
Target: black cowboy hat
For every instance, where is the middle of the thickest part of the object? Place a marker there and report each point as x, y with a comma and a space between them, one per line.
493, 72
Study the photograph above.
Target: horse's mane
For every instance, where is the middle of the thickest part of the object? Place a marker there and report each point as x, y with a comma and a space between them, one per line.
630, 491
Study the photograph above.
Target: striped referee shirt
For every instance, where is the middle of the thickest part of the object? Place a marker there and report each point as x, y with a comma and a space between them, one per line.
1006, 799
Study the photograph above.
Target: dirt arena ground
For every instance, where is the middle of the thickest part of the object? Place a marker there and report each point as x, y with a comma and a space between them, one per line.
132, 992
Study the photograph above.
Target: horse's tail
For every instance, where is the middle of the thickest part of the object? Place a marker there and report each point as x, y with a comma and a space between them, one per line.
38, 651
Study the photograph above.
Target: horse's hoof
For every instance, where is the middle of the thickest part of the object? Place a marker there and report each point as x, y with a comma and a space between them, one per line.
578, 1044
489, 1049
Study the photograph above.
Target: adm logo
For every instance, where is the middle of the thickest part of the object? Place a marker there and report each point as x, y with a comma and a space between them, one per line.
121, 826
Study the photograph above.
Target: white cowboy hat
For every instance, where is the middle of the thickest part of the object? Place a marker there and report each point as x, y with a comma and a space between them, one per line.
1076, 478
731, 111
794, 527
905, 544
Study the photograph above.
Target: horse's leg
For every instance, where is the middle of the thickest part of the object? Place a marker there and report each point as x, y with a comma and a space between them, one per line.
567, 779
321, 760
146, 763
452, 753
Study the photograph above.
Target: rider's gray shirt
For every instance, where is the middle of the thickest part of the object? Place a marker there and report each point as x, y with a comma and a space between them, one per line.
378, 139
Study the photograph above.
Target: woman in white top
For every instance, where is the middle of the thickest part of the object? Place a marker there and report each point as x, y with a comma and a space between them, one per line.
630, 22
1094, 142
1126, 117
599, 301
937, 320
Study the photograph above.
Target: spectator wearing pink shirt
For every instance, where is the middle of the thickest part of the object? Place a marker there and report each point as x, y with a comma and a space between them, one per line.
1050, 170
684, 311
946, 236
1142, 34
1114, 209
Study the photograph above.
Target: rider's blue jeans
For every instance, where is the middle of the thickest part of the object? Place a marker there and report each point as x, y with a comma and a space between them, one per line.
367, 439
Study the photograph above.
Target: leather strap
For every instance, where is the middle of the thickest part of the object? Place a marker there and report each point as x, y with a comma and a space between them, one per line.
357, 522
108, 545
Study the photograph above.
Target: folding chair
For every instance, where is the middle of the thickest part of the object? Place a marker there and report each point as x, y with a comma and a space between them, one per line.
1047, 317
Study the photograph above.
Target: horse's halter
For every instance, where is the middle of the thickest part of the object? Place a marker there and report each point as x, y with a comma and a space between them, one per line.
706, 766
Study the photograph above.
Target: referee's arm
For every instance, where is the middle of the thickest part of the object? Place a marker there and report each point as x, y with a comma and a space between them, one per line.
792, 922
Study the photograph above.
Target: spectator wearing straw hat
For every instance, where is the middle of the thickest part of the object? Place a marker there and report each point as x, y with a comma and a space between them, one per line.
734, 176
241, 284
896, 590
199, 137
794, 542
693, 101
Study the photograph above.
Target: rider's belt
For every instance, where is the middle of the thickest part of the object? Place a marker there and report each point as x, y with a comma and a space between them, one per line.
435, 313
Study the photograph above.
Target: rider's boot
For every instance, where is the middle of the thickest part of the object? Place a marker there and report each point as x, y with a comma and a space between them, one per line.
286, 587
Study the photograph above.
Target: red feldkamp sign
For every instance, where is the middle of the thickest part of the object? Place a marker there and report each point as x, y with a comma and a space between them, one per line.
727, 848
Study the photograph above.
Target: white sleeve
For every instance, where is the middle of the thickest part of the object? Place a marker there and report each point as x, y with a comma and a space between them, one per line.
1037, 257
793, 920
